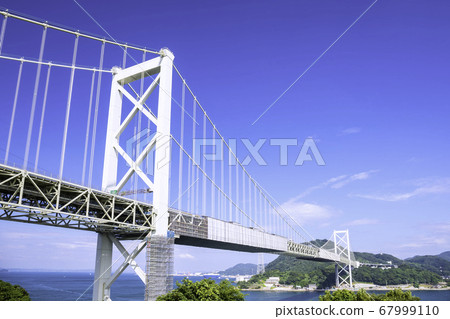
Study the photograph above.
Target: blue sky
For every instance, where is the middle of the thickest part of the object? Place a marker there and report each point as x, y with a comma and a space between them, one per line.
376, 104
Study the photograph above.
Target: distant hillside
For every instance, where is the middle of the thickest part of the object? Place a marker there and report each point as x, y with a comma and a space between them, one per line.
416, 270
435, 264
292, 271
404, 274
377, 258
319, 242
288, 263
240, 269
445, 255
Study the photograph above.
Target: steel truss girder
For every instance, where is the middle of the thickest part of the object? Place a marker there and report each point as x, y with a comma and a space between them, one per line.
302, 249
185, 224
33, 198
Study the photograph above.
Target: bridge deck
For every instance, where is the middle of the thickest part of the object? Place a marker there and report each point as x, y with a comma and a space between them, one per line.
33, 198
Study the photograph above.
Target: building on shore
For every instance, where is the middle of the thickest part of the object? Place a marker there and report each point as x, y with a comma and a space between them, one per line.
273, 281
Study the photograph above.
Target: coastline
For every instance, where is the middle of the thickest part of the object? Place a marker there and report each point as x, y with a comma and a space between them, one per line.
372, 288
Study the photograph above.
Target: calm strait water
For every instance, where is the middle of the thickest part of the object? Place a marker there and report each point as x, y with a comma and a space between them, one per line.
70, 286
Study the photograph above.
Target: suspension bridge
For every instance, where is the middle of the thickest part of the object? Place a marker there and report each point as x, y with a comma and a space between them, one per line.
109, 137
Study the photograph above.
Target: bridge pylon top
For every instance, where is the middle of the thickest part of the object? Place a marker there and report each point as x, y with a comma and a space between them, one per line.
166, 52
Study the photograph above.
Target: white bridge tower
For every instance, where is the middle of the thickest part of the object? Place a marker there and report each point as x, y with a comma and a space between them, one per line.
158, 278
342, 249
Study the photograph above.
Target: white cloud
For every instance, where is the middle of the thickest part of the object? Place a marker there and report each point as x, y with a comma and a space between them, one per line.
425, 242
355, 177
336, 182
351, 130
414, 159
75, 245
386, 197
304, 212
186, 256
53, 239
442, 228
320, 186
364, 221
436, 187
16, 235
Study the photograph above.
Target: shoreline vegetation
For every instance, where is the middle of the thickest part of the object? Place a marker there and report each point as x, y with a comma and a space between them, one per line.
9, 292
356, 288
377, 272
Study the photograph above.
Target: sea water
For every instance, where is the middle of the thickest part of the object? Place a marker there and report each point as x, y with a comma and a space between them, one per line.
71, 286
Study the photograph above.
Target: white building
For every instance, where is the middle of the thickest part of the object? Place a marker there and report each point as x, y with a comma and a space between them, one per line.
273, 281
243, 278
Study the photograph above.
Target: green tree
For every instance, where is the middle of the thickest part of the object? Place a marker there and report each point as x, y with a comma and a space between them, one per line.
203, 290
338, 295
243, 285
399, 295
362, 295
9, 292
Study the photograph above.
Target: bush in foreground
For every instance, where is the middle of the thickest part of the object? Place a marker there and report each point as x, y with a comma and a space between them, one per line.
203, 290
9, 292
362, 295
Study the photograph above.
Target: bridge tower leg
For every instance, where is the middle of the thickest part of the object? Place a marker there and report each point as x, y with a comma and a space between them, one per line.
160, 250
260, 269
103, 263
342, 249
103, 260
158, 240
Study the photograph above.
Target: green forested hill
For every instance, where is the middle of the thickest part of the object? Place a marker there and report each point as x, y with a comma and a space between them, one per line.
287, 263
321, 274
240, 269
445, 255
404, 274
417, 270
377, 258
435, 264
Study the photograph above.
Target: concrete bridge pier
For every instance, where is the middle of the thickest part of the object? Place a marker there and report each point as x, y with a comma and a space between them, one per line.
103, 263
